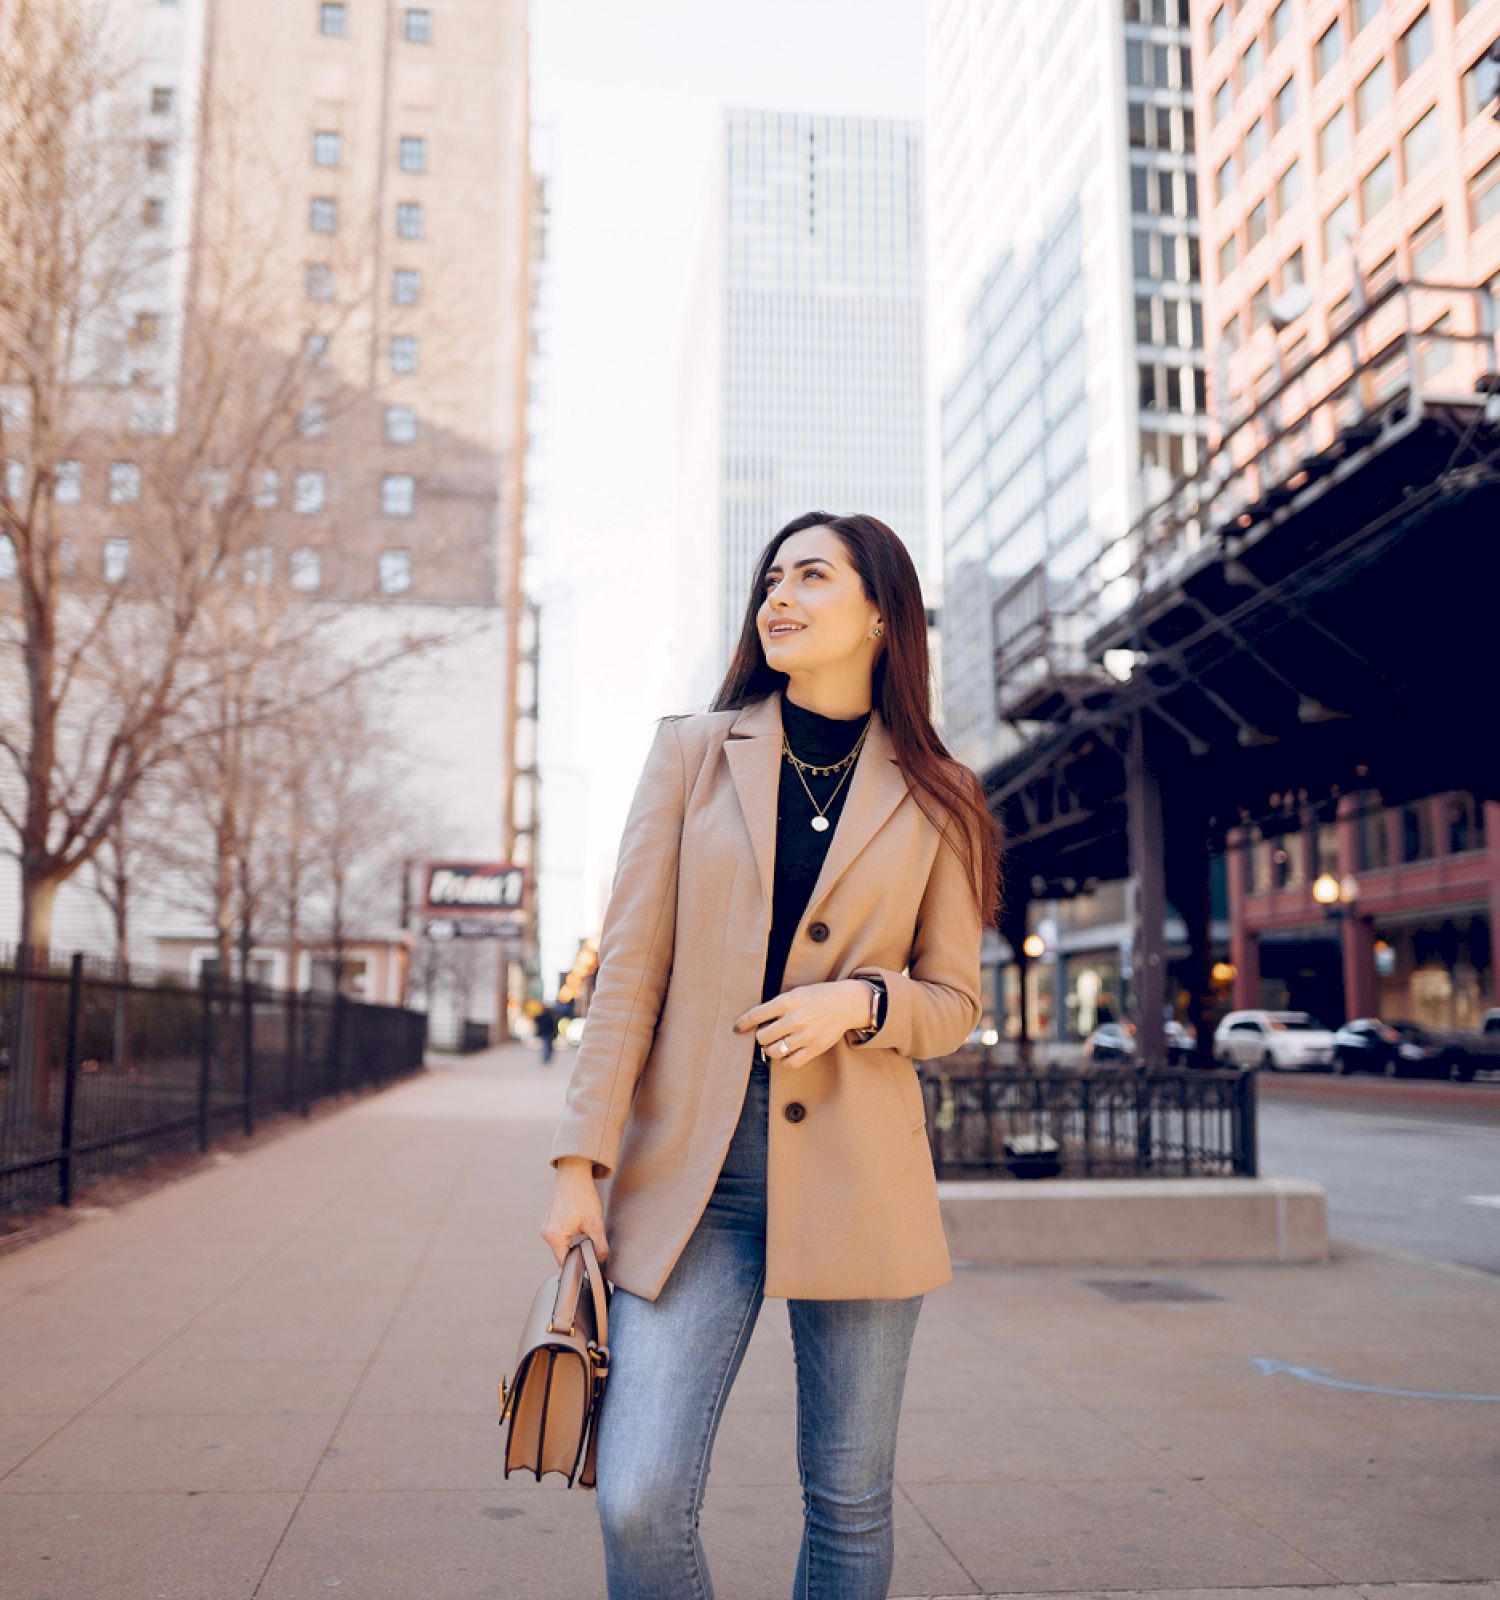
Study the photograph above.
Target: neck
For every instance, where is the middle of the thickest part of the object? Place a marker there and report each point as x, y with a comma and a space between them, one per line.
843, 698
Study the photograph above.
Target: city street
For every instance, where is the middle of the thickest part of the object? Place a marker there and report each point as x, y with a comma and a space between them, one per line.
1408, 1165
276, 1378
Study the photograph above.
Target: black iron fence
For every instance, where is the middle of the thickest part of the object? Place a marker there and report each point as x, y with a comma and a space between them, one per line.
987, 1120
101, 1072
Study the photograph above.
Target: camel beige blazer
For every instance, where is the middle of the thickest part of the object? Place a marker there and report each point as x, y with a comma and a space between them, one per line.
660, 1075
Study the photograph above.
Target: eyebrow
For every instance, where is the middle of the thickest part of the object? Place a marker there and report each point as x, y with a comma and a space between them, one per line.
806, 561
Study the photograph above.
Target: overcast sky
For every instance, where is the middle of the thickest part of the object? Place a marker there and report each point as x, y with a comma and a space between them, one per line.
630, 96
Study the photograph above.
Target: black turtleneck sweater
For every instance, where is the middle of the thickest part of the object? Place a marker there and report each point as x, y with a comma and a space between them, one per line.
800, 848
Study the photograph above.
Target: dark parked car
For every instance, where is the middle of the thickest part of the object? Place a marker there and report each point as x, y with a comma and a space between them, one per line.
1412, 1049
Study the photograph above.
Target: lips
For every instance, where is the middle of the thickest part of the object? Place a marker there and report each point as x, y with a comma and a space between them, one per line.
779, 630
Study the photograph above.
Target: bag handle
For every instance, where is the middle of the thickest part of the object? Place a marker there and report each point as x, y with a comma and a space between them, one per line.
580, 1261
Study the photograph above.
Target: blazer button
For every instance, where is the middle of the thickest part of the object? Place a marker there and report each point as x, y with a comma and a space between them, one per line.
795, 1111
818, 931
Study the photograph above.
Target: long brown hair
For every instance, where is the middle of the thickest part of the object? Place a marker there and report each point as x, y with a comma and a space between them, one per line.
899, 688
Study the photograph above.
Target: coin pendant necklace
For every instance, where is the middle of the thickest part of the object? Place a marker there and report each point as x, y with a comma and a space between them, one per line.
820, 820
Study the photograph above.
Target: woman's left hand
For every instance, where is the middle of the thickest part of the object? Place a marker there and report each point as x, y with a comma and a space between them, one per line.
811, 1019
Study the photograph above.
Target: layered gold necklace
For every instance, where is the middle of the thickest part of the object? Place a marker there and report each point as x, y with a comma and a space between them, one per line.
845, 764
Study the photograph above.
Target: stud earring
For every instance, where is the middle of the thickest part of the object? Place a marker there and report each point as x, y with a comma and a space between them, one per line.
876, 633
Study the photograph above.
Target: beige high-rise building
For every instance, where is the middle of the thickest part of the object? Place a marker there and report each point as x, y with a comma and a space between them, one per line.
362, 173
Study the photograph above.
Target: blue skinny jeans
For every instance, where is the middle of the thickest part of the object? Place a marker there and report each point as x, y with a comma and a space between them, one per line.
672, 1362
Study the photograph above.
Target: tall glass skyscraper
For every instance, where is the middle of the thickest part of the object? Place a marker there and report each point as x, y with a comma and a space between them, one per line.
1067, 325
806, 348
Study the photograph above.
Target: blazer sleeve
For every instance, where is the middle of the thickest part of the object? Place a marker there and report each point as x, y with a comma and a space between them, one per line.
635, 958
933, 1010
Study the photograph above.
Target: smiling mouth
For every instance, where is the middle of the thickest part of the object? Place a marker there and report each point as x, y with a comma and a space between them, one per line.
781, 629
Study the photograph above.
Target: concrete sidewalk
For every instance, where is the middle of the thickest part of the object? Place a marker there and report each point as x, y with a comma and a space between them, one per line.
277, 1378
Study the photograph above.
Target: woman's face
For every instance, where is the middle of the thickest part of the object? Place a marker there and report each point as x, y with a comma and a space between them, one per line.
812, 584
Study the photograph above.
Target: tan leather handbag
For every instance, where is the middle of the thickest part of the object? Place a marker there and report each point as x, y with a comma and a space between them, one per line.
557, 1386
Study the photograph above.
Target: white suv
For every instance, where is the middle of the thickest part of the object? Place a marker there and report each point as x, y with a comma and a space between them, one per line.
1273, 1039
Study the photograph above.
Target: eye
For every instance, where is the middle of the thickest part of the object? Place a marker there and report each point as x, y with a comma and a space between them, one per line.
809, 572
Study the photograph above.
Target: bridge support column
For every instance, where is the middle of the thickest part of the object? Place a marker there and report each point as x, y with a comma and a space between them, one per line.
1145, 837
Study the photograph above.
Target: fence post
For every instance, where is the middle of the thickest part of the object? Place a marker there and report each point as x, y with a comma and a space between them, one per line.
336, 1042
206, 1051
247, 1044
289, 1094
70, 1082
1249, 1139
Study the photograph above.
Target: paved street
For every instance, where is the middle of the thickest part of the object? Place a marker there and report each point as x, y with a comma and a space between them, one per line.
1412, 1165
276, 1379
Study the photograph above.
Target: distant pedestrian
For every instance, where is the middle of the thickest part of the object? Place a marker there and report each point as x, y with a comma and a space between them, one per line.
768, 1126
547, 1022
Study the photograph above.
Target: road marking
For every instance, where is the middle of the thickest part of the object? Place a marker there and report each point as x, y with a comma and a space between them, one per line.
1269, 1365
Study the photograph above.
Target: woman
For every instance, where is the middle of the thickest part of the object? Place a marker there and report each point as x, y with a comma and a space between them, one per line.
746, 1073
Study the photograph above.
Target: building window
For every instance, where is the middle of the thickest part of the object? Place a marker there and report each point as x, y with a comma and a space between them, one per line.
322, 214
1416, 831
1281, 22
305, 568
1414, 46
1333, 138
1378, 187
1218, 27
1479, 84
162, 98
1229, 255
1420, 144
1427, 245
153, 211
158, 155
67, 486
406, 286
395, 571
333, 19
315, 350
1223, 101
307, 492
1370, 835
265, 495
1260, 306
124, 483
319, 281
1285, 106
1365, 12
312, 420
418, 25
398, 493
1255, 142
1484, 193
116, 559
1338, 228
1465, 822
1373, 94
1229, 334
260, 565
1292, 272
1224, 178
400, 424
412, 154
1288, 188
409, 219
1329, 48
328, 149
145, 328
403, 353
1255, 225
1250, 62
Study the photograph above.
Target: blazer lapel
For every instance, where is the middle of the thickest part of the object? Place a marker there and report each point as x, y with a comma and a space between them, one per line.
876, 788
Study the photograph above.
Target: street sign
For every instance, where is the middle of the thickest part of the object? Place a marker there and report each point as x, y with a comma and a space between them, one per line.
442, 929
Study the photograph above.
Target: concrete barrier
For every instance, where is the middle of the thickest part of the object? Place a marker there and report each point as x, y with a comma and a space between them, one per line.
1134, 1221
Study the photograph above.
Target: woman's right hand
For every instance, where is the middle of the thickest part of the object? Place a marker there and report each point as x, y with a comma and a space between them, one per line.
575, 1209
